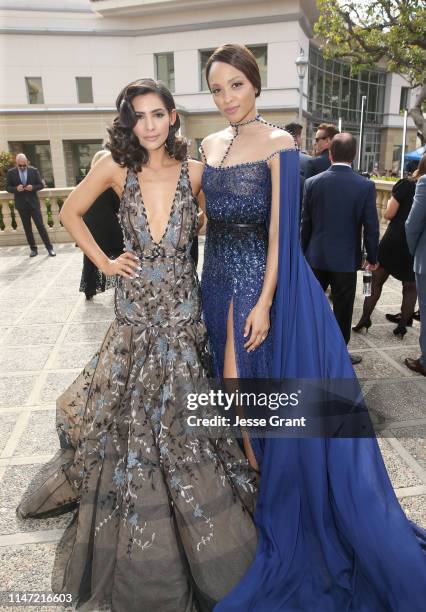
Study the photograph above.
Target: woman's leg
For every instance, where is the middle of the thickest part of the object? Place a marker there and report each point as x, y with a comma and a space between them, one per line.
380, 276
230, 371
409, 298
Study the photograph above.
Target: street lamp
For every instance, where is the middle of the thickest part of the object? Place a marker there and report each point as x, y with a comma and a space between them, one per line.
301, 65
361, 132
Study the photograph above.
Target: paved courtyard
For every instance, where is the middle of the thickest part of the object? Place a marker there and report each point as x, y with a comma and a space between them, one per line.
48, 332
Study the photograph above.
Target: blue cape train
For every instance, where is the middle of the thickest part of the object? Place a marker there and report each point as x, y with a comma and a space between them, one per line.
332, 535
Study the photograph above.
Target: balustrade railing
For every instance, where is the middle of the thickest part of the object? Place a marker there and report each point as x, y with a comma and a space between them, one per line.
51, 200
383, 193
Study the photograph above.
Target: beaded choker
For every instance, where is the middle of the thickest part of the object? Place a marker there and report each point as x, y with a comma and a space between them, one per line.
236, 127
241, 123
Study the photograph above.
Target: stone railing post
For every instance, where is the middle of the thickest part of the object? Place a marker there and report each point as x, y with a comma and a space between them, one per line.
383, 193
7, 217
54, 207
44, 210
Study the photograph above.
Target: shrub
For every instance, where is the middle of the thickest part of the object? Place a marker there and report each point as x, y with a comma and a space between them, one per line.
7, 161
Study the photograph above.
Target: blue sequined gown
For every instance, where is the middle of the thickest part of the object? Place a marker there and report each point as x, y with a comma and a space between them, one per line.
235, 259
332, 536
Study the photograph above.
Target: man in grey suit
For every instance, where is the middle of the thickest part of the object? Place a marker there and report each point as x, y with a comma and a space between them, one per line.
24, 181
415, 229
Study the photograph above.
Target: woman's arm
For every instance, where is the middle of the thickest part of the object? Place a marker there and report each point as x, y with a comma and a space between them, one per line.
196, 169
103, 175
202, 218
391, 209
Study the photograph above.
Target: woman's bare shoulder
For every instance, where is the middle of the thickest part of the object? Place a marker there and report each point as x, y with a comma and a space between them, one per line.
280, 139
107, 165
217, 138
195, 165
107, 171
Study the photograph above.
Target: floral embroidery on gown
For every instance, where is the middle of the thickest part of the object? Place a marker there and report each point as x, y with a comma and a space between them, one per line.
164, 516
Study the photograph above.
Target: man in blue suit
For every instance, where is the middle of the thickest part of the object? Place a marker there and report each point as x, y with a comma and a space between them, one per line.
415, 230
339, 205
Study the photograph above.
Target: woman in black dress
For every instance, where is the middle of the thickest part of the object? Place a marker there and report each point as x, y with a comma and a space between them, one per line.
102, 221
394, 257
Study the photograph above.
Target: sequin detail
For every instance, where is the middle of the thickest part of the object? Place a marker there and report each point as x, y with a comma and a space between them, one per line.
235, 263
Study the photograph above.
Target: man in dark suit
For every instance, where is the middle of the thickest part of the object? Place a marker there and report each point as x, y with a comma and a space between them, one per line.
415, 230
337, 204
323, 137
295, 129
24, 181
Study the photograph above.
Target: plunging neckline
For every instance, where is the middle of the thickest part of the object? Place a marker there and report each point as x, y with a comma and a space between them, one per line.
172, 207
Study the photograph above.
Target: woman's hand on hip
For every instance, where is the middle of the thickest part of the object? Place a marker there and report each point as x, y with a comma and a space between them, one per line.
125, 265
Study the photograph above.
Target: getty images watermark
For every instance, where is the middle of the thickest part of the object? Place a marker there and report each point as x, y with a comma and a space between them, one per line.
235, 401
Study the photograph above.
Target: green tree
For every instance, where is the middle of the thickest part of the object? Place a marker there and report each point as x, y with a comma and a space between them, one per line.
6, 161
389, 32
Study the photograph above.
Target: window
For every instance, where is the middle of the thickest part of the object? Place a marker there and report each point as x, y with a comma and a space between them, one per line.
198, 142
78, 157
261, 55
165, 69
34, 90
84, 89
259, 52
204, 56
396, 153
403, 101
335, 93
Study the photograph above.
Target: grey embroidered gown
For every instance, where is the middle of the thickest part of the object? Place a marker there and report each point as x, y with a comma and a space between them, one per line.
164, 517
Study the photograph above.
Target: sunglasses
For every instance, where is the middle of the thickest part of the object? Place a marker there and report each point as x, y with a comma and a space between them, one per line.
22, 165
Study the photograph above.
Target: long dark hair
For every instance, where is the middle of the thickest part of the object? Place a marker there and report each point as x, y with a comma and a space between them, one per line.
124, 145
240, 58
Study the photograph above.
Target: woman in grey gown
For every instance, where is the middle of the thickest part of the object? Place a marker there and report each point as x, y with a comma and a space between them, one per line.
164, 514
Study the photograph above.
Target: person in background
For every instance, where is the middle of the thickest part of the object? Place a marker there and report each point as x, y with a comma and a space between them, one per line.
323, 137
411, 167
295, 129
395, 258
103, 224
24, 181
415, 229
336, 204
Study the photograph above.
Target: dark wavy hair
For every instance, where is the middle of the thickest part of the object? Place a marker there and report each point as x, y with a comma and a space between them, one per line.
240, 58
124, 145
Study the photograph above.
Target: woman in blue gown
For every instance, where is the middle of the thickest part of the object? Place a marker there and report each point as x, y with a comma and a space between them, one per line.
332, 536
